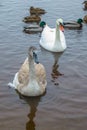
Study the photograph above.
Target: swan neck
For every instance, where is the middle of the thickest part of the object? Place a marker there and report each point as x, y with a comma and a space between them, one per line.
31, 68
57, 38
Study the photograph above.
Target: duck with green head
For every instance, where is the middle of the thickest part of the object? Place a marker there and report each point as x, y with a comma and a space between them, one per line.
73, 24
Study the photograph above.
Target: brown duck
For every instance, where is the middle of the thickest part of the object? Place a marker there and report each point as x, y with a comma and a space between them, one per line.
32, 18
85, 5
36, 10
85, 19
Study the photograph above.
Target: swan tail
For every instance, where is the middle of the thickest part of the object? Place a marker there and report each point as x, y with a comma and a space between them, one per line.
15, 82
11, 85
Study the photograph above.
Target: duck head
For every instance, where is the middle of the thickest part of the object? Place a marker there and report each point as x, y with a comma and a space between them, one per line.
79, 21
42, 24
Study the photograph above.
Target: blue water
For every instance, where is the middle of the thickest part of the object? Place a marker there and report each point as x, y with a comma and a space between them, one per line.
64, 105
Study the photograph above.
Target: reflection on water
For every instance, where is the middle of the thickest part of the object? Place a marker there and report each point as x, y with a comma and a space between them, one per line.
55, 72
55, 67
64, 107
33, 103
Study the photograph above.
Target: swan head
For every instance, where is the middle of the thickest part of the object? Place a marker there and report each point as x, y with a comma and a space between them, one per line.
59, 21
32, 52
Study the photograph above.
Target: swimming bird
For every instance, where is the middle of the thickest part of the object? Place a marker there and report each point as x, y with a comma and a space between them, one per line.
32, 18
36, 10
30, 80
73, 24
85, 5
85, 19
53, 39
34, 28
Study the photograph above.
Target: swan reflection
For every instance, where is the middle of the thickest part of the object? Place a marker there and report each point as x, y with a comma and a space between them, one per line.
55, 67
55, 72
33, 103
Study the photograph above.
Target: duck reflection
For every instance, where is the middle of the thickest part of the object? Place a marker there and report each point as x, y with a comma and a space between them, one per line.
33, 103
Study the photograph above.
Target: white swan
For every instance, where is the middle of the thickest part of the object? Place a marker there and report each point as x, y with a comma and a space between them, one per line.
30, 80
53, 39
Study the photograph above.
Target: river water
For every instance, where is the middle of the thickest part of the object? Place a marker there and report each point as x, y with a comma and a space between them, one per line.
64, 105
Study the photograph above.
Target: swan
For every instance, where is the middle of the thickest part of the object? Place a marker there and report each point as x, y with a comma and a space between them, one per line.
30, 80
53, 39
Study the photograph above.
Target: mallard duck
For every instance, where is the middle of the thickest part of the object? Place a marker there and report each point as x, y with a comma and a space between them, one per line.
30, 80
85, 5
32, 18
73, 24
53, 39
34, 28
36, 10
85, 19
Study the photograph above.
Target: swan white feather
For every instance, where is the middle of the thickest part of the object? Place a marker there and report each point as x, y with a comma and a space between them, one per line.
53, 39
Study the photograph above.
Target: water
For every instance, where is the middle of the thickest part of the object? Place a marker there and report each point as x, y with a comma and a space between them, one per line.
64, 105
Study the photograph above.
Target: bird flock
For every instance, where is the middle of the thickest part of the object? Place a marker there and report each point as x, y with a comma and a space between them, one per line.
30, 80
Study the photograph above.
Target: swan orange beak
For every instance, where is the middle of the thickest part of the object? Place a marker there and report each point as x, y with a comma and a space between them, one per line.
62, 28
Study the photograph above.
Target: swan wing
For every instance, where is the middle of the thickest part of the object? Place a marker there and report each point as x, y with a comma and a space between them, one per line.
48, 35
23, 74
41, 75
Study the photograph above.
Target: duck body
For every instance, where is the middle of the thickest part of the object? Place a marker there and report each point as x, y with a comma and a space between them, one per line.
33, 29
32, 18
53, 39
30, 80
85, 19
36, 10
73, 24
85, 5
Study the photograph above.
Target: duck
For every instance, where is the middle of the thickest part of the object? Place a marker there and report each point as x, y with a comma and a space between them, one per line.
53, 39
73, 24
32, 18
36, 10
85, 5
30, 80
85, 19
34, 28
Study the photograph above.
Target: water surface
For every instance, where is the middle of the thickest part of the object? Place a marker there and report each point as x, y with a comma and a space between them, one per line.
64, 105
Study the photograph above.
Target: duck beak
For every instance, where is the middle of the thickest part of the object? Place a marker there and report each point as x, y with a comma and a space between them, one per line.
35, 58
